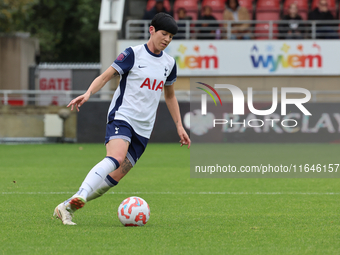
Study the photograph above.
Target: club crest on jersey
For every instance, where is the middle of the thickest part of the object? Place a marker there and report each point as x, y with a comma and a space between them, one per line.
165, 71
122, 56
152, 85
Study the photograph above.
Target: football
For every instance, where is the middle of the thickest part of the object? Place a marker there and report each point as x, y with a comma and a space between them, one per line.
134, 211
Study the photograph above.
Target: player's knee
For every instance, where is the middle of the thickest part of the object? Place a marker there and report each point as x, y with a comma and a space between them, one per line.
117, 159
120, 160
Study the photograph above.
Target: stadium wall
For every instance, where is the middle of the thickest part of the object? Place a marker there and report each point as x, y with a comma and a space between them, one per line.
28, 121
17, 53
88, 125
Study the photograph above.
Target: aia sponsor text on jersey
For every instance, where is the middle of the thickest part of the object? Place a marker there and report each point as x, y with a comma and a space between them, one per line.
155, 85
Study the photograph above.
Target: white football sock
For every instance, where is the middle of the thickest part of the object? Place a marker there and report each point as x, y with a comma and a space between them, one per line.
103, 187
96, 176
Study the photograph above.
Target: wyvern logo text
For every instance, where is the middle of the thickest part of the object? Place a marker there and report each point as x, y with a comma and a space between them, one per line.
291, 57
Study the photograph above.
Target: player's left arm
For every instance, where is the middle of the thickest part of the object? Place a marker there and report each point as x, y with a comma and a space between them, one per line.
172, 104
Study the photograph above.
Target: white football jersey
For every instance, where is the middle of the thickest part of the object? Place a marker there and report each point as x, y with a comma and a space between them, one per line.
143, 75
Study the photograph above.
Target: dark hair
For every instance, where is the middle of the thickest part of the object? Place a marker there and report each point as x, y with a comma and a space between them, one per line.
237, 4
163, 21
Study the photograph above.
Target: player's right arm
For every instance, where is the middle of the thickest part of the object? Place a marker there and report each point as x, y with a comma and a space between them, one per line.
95, 86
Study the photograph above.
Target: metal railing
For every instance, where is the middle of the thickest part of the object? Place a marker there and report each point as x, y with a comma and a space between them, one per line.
85, 65
36, 97
222, 29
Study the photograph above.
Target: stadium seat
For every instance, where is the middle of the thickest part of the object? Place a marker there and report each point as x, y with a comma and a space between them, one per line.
262, 31
151, 4
191, 6
268, 5
216, 5
331, 6
302, 7
270, 15
268, 10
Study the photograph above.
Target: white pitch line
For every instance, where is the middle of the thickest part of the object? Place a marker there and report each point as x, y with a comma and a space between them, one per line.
179, 193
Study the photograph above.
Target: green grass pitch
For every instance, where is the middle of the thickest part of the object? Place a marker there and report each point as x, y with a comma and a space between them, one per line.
188, 216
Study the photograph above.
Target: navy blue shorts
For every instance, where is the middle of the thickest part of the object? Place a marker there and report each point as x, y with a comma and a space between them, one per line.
120, 129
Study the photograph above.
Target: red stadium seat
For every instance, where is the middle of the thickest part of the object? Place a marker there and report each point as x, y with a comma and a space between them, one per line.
216, 5
302, 7
262, 31
151, 4
268, 10
191, 6
303, 4
331, 6
268, 5
270, 15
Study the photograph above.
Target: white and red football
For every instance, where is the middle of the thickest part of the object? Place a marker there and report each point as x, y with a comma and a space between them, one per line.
134, 211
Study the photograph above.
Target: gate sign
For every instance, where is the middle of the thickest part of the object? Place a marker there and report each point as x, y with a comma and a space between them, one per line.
55, 81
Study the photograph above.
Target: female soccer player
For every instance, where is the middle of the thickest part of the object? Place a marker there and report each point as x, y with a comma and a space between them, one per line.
145, 70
